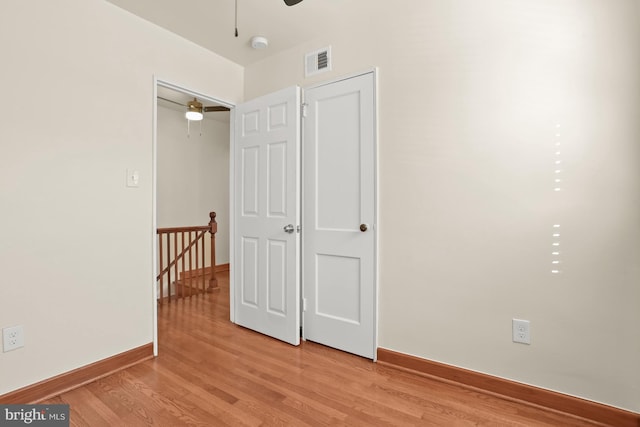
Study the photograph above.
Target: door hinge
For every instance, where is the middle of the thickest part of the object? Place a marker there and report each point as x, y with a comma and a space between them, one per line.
303, 109
304, 304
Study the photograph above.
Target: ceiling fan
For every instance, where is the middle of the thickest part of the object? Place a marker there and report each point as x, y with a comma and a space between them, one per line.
194, 108
197, 106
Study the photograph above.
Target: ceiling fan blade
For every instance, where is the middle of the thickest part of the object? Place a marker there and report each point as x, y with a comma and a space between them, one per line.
291, 2
215, 108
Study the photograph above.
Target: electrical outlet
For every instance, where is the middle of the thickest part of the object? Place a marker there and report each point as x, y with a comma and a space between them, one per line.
12, 338
521, 331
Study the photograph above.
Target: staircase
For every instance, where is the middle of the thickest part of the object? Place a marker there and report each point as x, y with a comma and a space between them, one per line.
182, 260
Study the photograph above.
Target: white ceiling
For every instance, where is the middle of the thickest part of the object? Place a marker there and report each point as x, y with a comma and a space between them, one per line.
210, 23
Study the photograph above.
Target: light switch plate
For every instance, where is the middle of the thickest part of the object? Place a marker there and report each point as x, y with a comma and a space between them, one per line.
133, 178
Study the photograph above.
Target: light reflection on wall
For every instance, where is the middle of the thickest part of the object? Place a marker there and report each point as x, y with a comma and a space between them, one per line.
557, 187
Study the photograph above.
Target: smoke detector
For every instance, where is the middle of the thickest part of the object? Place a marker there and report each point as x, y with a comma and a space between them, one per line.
259, 42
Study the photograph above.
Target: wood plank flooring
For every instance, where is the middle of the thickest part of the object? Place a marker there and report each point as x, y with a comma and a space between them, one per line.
213, 373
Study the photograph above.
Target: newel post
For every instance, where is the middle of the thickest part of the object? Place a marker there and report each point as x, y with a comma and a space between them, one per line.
213, 229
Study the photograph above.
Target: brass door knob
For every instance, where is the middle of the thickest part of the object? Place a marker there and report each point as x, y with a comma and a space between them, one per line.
364, 227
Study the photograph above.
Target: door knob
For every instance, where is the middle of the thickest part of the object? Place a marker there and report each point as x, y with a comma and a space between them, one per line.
288, 228
364, 227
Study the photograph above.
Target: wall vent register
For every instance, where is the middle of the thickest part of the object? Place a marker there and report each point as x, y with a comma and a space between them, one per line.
317, 62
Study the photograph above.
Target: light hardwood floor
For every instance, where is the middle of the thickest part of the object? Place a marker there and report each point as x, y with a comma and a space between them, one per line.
213, 373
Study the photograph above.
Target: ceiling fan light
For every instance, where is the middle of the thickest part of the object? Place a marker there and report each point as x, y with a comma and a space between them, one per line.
194, 110
193, 115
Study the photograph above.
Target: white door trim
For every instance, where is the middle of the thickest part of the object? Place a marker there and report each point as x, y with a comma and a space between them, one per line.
373, 70
232, 212
157, 81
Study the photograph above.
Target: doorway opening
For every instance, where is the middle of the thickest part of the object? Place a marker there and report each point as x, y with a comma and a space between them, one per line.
190, 172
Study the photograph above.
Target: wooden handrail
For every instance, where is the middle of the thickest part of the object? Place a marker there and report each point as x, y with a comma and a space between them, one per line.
176, 263
181, 229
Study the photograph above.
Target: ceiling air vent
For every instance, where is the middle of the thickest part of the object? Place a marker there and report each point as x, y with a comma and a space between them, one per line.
317, 62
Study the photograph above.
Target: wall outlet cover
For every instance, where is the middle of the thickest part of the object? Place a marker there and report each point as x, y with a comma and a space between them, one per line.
12, 338
521, 331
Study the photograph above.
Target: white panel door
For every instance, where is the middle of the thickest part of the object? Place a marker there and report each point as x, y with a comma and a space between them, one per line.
266, 215
339, 215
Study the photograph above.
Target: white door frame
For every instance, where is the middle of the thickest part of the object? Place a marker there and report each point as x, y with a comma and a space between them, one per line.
232, 211
374, 71
154, 186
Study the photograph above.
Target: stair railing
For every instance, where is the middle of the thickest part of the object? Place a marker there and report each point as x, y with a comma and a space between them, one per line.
180, 248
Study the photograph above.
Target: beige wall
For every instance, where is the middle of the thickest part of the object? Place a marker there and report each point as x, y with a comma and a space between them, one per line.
75, 243
471, 96
193, 175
